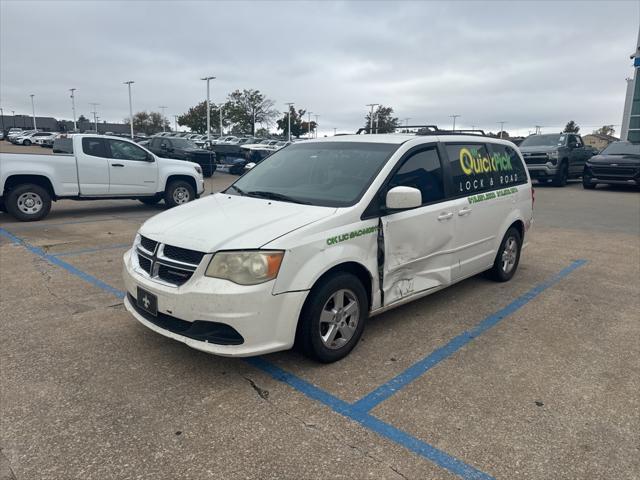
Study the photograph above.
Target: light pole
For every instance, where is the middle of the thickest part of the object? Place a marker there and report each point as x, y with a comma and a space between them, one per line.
406, 121
316, 125
2, 116
128, 83
335, 130
289, 104
454, 121
501, 127
309, 123
371, 115
220, 112
377, 120
253, 129
73, 107
95, 114
13, 118
163, 108
208, 79
33, 111
175, 122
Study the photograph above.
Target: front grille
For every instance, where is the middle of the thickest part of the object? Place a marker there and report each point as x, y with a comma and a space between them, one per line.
148, 244
170, 274
145, 263
169, 264
183, 254
536, 158
620, 172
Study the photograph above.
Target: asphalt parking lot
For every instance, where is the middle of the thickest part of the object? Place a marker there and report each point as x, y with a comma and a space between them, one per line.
536, 378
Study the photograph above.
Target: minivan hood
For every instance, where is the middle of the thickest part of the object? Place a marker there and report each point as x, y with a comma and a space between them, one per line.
539, 149
230, 222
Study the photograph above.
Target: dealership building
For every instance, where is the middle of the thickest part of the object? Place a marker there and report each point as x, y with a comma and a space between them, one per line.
631, 116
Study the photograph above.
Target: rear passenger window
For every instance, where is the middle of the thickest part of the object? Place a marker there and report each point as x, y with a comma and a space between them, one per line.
94, 147
505, 178
472, 168
422, 171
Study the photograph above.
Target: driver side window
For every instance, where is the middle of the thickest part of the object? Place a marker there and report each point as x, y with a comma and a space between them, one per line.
122, 150
423, 171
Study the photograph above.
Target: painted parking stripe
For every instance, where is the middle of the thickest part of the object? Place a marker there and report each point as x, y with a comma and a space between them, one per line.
61, 263
383, 429
91, 250
418, 369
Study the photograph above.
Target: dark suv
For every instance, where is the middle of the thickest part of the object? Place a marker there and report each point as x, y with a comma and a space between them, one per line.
556, 157
617, 164
183, 149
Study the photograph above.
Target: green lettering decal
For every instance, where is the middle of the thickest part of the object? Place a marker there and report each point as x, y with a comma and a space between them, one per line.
351, 235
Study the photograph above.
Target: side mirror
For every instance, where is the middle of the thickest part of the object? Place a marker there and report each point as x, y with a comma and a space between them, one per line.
150, 158
402, 198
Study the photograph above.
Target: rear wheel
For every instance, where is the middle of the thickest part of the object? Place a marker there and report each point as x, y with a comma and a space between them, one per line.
179, 192
508, 257
560, 180
28, 202
333, 318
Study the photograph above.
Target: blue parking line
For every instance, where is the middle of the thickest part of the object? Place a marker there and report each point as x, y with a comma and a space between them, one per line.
91, 250
383, 429
418, 369
61, 263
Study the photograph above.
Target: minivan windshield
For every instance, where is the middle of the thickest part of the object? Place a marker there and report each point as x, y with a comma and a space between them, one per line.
622, 148
331, 174
547, 140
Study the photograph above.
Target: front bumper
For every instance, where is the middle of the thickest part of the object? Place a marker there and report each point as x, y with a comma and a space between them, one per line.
542, 171
266, 322
618, 175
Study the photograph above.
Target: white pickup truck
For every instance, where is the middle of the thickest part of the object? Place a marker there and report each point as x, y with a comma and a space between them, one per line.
93, 167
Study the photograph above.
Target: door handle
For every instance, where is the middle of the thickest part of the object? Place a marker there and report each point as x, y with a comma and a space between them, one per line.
117, 165
464, 211
445, 216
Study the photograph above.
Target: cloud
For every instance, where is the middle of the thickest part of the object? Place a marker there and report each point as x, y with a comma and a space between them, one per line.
528, 63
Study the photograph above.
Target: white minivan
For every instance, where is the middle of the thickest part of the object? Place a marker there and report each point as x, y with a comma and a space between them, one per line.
323, 234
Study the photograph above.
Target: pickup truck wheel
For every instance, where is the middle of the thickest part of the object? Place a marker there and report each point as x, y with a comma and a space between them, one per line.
178, 192
560, 180
28, 202
333, 318
507, 258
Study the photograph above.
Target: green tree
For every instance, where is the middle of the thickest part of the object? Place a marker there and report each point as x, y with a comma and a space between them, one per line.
196, 118
148, 122
297, 122
605, 130
571, 127
383, 120
247, 108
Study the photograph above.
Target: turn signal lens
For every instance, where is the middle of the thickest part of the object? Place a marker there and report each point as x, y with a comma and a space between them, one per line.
245, 267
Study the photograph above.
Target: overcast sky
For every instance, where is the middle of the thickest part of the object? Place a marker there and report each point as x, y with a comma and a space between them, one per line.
538, 63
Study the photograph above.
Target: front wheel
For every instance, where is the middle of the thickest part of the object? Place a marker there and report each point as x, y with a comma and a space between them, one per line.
179, 192
508, 257
562, 176
26, 143
333, 318
28, 202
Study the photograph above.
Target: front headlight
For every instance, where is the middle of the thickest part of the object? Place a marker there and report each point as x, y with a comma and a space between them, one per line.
245, 268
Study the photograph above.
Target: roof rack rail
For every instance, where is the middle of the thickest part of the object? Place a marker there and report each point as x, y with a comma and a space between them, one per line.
431, 130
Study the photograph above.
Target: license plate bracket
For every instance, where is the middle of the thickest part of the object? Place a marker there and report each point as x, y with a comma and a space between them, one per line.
147, 301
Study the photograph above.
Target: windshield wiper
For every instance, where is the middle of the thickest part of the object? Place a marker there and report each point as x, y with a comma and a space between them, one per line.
241, 192
275, 196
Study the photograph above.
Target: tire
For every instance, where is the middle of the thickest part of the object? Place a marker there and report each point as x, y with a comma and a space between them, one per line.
178, 192
28, 202
542, 181
27, 143
504, 268
560, 180
151, 200
320, 311
586, 182
208, 170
